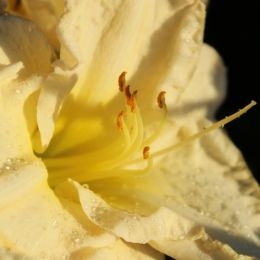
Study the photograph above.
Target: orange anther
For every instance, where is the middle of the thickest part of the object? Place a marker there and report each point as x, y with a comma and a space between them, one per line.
161, 99
122, 81
130, 98
119, 121
146, 152
131, 103
128, 92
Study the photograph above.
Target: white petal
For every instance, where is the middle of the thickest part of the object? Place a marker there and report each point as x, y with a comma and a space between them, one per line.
34, 222
166, 231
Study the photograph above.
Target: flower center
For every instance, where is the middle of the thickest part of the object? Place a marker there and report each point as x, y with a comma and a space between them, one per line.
92, 144
95, 147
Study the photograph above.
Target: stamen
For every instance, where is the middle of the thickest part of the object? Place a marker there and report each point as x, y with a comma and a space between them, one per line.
214, 126
146, 152
128, 94
161, 99
130, 98
111, 159
119, 121
122, 81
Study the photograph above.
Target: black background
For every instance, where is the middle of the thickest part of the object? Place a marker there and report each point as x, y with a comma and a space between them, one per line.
233, 28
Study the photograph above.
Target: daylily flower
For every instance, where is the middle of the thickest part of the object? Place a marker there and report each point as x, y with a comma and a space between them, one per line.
91, 168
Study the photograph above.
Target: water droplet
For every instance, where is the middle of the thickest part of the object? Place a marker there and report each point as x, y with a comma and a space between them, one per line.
12, 164
77, 240
85, 186
18, 91
54, 223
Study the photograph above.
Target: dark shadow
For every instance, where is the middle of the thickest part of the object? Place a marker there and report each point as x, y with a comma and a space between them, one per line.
240, 244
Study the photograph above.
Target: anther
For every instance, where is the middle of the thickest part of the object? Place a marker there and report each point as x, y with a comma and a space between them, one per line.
146, 152
128, 92
161, 99
122, 81
130, 98
119, 121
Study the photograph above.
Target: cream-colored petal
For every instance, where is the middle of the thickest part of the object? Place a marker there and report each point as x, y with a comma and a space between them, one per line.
120, 250
200, 99
152, 41
9, 72
25, 57
14, 135
34, 222
203, 248
44, 13
20, 40
206, 89
165, 230
21, 44
206, 182
211, 179
203, 94
6, 254
113, 32
53, 92
172, 53
126, 35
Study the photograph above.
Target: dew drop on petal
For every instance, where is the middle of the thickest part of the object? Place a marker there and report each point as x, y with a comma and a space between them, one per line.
12, 164
54, 223
18, 91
